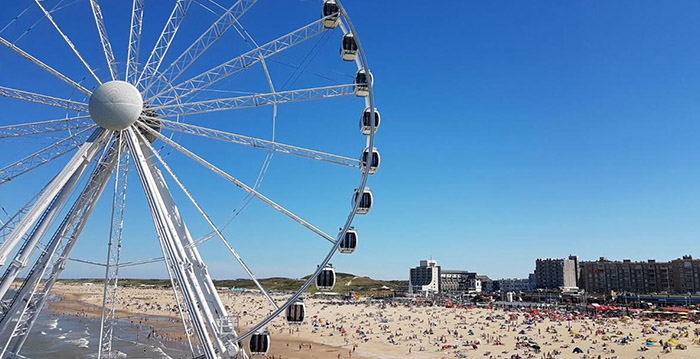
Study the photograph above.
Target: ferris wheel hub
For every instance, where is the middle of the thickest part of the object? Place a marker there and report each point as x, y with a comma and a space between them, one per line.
115, 105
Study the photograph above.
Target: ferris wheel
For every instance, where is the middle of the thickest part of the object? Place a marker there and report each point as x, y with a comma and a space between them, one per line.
130, 117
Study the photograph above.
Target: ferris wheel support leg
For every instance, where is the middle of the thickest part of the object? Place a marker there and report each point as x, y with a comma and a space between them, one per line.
28, 298
86, 153
109, 296
47, 217
169, 227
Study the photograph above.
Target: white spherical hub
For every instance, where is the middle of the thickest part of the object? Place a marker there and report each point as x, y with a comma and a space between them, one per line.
115, 105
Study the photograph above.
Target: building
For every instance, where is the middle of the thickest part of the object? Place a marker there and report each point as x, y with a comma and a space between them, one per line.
556, 273
685, 275
679, 276
514, 285
425, 279
532, 278
487, 284
458, 281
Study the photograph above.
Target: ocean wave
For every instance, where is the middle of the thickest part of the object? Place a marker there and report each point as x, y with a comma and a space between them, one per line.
161, 353
53, 323
80, 342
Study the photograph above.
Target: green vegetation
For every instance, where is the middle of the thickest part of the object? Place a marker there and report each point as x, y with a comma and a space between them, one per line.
345, 283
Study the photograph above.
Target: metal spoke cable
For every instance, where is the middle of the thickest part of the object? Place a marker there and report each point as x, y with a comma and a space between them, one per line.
258, 143
43, 156
203, 42
42, 127
44, 66
238, 183
232, 103
43, 99
31, 27
208, 220
14, 19
67, 40
240, 63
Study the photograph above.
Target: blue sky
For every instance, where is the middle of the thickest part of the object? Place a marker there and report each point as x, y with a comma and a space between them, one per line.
511, 131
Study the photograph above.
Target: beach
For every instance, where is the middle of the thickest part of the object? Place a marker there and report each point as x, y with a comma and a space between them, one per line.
341, 329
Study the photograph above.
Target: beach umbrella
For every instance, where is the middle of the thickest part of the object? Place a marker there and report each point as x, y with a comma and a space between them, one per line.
577, 350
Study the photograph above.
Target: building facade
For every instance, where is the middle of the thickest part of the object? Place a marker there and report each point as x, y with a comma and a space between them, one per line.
457, 281
679, 276
514, 285
553, 273
425, 279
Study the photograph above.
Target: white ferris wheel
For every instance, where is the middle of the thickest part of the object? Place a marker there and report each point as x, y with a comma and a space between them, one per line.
130, 117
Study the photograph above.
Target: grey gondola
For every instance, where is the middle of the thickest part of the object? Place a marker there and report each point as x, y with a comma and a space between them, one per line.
326, 279
366, 121
365, 201
348, 243
332, 12
296, 312
373, 162
362, 82
259, 343
348, 48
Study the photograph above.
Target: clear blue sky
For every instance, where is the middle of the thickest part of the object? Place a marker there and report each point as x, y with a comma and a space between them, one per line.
511, 131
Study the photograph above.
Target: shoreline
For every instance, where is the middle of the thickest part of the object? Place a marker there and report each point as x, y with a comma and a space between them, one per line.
336, 329
169, 328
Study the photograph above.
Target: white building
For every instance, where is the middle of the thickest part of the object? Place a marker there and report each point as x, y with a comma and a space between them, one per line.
425, 279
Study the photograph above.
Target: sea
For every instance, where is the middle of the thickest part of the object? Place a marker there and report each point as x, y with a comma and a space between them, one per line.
71, 337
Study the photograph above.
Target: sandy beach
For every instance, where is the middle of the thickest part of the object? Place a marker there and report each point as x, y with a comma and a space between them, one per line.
338, 329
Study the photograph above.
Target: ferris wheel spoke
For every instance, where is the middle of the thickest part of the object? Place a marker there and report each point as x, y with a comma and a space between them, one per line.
67, 40
42, 127
165, 39
15, 219
255, 100
44, 66
104, 40
199, 46
43, 99
240, 63
43, 156
109, 295
258, 143
209, 222
238, 183
132, 58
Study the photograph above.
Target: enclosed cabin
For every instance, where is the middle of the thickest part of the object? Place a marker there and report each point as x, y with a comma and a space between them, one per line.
348, 242
348, 48
366, 121
259, 343
296, 312
362, 83
326, 279
331, 13
366, 200
370, 161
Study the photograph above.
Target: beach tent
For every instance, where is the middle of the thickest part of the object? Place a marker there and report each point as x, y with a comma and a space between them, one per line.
577, 350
